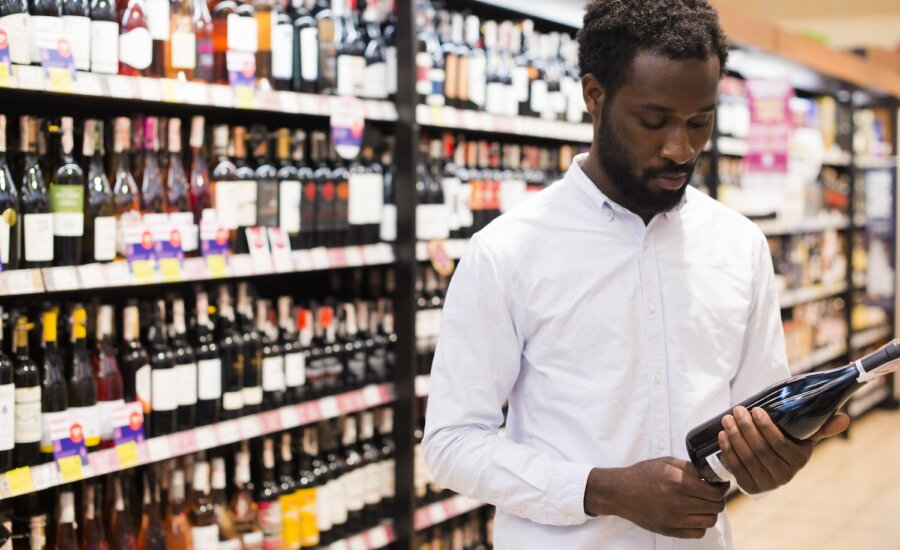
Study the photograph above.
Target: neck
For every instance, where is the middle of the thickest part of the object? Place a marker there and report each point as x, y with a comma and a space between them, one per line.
594, 171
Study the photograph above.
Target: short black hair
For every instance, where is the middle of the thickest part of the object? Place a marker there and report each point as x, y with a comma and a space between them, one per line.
615, 31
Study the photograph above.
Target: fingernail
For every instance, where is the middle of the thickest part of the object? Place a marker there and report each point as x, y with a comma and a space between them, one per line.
757, 413
740, 412
722, 438
727, 421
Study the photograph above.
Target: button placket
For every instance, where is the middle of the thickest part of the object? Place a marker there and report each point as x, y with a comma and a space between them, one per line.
656, 354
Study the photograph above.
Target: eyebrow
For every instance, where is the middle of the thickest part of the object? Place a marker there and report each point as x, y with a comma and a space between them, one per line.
662, 109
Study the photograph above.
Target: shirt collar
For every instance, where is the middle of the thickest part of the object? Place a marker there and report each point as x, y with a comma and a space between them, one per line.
584, 184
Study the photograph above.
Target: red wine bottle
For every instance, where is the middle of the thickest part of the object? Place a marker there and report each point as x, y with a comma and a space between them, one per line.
800, 406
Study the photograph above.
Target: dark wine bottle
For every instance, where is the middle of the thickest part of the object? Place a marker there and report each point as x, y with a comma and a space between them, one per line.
66, 196
37, 231
135, 364
54, 401
252, 350
163, 376
9, 209
99, 244
110, 388
28, 399
231, 354
267, 497
66, 531
273, 376
104, 37
82, 386
800, 406
294, 358
93, 532
185, 367
209, 365
7, 406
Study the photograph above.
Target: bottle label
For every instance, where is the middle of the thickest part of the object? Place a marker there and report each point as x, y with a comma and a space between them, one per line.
136, 48
294, 370
42, 28
324, 521
309, 527
309, 54
89, 418
205, 537
107, 411
232, 401
7, 416
67, 205
375, 81
77, 29
270, 524
290, 521
267, 203
104, 47
437, 78
273, 374
354, 486
4, 239
186, 376
390, 59
104, 238
451, 84
388, 230
283, 52
289, 197
496, 98
143, 387
246, 195
477, 84
165, 389
47, 421
190, 232
28, 415
184, 50
204, 70
423, 65
242, 33
520, 84
717, 464
338, 502
233, 544
38, 237
387, 478
210, 379
252, 396
16, 27
372, 484
374, 198
350, 69
357, 208
158, 18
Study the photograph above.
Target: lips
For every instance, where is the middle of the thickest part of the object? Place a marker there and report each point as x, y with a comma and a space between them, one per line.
672, 182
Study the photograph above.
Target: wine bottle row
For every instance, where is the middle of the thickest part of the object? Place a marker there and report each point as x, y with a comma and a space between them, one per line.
303, 488
463, 184
61, 208
472, 531
187, 360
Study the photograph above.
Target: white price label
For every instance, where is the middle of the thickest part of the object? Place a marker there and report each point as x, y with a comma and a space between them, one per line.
250, 427
206, 438
329, 407
158, 449
290, 418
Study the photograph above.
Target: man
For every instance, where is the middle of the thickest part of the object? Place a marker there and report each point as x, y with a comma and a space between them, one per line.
615, 311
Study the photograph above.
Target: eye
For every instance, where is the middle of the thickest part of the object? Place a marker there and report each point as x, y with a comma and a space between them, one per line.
652, 125
703, 122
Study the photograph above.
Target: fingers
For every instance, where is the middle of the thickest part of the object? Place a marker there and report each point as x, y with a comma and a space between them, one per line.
688, 533
836, 425
791, 453
740, 457
703, 507
701, 521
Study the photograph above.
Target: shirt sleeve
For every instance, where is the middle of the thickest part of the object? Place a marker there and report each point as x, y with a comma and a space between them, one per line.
763, 354
476, 365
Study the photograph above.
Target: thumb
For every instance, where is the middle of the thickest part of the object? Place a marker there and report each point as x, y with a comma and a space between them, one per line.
836, 424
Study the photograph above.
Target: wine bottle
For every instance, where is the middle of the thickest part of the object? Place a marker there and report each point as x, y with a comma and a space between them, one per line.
353, 477
178, 526
371, 468
104, 37
350, 50
163, 376
340, 177
228, 537
66, 532
289, 497
153, 196
93, 533
243, 508
388, 449
77, 30
289, 188
44, 23
135, 364
135, 40
252, 391
82, 386
267, 497
152, 535
375, 78
355, 361
282, 47
294, 358
66, 196
221, 18
28, 399
9, 208
99, 243
185, 368
201, 195
273, 375
7, 406
178, 192
306, 49
308, 484
800, 406
14, 20
225, 187
158, 17
203, 36
389, 32
230, 345
209, 365
267, 189
126, 195
110, 389
181, 47
37, 230
263, 12
54, 394
316, 205
327, 62
204, 528
246, 192
337, 467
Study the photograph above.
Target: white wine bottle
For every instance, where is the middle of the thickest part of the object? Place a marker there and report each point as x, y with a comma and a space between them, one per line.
800, 406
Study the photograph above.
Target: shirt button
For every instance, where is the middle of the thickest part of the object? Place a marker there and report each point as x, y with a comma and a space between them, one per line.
657, 378
660, 445
652, 308
570, 517
646, 244
610, 214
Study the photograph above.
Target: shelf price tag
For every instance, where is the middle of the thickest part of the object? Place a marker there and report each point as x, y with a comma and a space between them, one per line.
70, 468
5, 63
242, 77
143, 271
289, 417
127, 454
329, 407
56, 54
348, 123
206, 438
217, 266
259, 250
281, 250
320, 258
19, 481
169, 90
67, 436
128, 423
359, 543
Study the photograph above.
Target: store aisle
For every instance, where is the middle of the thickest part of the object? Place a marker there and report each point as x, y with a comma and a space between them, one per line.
848, 497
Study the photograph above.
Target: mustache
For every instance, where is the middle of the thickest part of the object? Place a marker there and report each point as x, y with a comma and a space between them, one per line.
670, 169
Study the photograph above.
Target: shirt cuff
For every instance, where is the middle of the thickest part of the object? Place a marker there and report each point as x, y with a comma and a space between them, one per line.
568, 484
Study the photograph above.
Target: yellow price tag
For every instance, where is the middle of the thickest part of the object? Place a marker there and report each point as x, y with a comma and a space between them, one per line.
60, 80
170, 268
169, 89
70, 468
19, 481
5, 70
127, 454
245, 97
143, 271
437, 115
216, 266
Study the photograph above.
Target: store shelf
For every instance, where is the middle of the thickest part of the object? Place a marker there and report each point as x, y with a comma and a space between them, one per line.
792, 297
120, 274
870, 336
818, 358
163, 90
455, 248
441, 511
733, 147
423, 385
532, 127
376, 537
804, 225
875, 163
867, 398
156, 449
842, 158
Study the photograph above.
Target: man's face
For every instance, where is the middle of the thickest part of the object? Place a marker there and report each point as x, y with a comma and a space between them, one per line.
652, 131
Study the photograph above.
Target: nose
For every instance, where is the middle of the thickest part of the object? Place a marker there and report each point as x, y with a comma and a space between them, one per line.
677, 146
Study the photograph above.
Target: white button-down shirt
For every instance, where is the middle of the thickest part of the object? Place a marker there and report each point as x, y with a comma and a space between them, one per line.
610, 339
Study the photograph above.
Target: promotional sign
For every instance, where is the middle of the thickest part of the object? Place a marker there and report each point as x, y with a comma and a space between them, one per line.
242, 77
58, 63
348, 122
5, 62
770, 125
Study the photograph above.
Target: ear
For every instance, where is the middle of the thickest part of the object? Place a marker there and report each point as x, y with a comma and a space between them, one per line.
594, 95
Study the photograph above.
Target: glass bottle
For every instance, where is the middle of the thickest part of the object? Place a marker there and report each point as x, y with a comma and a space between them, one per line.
66, 197
14, 20
223, 15
181, 47
178, 192
27, 380
209, 365
178, 526
153, 197
203, 33
104, 37
123, 532
152, 535
267, 497
110, 389
185, 367
228, 536
93, 534
163, 376
82, 387
273, 375
54, 394
10, 227
231, 354
306, 49
201, 195
7, 407
126, 195
244, 510
77, 30
44, 22
37, 230
204, 527
136, 45
66, 530
282, 48
99, 243
135, 364
289, 497
264, 13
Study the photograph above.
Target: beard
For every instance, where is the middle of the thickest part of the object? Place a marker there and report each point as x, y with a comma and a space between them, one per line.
618, 163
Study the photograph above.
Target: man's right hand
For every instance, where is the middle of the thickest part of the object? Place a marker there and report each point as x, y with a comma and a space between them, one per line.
663, 495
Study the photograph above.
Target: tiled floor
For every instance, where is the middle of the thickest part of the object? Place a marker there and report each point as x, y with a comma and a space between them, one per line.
847, 498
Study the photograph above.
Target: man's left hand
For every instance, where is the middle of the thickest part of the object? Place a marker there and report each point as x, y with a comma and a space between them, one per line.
760, 456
